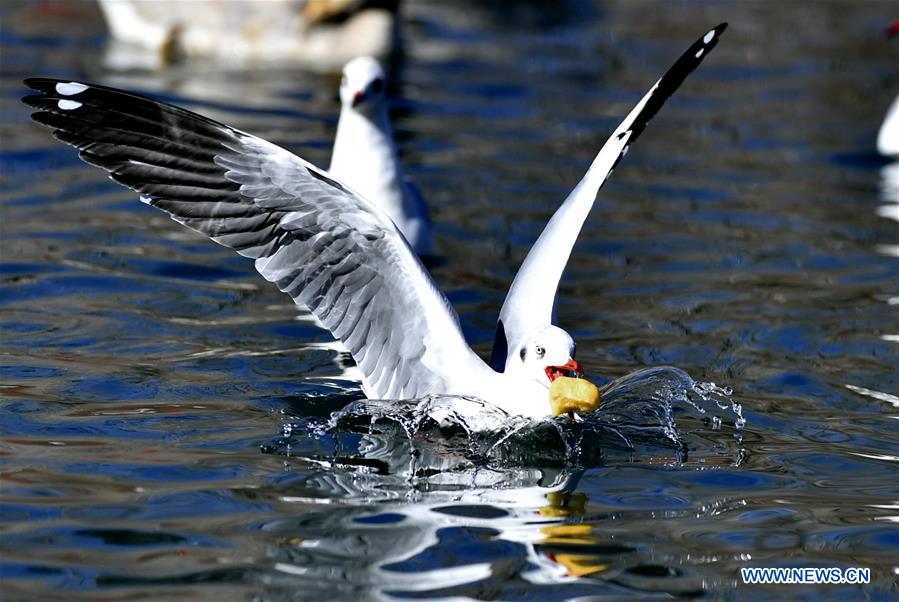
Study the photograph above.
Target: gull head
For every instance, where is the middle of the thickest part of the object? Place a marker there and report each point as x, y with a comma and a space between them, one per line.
363, 86
547, 355
547, 359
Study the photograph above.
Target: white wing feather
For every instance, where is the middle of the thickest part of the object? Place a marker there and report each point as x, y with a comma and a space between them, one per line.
327, 247
530, 302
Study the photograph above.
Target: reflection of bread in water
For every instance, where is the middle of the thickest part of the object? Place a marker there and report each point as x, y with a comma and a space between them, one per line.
571, 537
568, 394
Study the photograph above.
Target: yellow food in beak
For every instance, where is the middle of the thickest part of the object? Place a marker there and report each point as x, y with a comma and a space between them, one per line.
568, 394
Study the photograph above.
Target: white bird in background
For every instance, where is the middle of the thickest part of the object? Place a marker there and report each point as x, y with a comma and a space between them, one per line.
365, 156
888, 146
888, 136
337, 253
318, 34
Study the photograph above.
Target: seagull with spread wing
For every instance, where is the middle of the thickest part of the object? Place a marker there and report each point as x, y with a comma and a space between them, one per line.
337, 253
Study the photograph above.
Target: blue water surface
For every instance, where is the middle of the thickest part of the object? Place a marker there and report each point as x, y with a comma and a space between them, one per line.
165, 411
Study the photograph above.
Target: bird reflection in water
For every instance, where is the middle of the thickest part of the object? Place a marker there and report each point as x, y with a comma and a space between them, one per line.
422, 505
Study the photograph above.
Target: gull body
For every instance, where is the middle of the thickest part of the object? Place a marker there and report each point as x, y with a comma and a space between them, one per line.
337, 253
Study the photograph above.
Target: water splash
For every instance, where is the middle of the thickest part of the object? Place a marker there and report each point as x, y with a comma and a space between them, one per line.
637, 421
721, 397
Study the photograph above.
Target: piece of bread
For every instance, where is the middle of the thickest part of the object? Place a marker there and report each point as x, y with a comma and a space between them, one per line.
573, 395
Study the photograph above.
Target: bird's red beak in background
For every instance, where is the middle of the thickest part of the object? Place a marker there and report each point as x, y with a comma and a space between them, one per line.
893, 29
358, 97
572, 369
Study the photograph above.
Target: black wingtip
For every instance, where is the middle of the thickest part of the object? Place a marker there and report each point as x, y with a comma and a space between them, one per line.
42, 84
718, 29
33, 100
715, 32
675, 76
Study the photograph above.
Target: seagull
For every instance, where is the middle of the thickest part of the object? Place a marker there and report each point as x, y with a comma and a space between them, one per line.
365, 156
888, 136
336, 252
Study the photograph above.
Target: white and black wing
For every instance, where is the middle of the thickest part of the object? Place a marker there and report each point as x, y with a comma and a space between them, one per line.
328, 248
530, 302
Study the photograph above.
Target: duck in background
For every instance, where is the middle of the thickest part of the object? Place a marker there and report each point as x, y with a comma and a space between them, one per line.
321, 35
365, 155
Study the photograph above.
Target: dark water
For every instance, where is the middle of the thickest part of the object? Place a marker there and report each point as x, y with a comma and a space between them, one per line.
164, 409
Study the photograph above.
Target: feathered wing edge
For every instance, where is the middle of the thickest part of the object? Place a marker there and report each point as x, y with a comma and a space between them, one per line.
328, 248
530, 302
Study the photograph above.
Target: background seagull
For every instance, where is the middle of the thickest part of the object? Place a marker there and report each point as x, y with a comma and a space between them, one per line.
888, 136
332, 250
365, 156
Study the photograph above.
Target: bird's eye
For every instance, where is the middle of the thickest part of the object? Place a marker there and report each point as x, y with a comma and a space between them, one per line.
540, 351
377, 85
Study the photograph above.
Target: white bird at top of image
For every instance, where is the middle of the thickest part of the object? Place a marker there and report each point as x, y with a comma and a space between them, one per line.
365, 156
888, 146
888, 136
317, 34
339, 255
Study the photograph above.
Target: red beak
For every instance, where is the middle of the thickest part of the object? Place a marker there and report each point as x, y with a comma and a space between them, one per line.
893, 29
572, 369
358, 97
